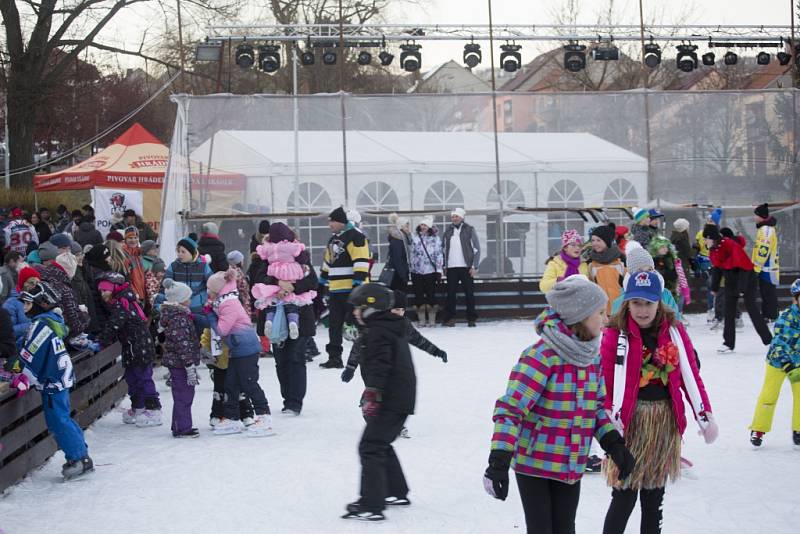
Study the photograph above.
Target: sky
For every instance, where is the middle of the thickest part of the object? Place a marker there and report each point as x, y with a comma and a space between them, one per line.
128, 27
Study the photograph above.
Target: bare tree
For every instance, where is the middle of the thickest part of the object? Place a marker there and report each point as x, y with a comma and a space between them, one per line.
44, 39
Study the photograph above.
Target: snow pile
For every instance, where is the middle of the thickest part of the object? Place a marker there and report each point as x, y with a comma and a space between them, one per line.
300, 480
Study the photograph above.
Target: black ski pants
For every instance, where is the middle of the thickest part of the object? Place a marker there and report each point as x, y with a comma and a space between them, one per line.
381, 474
622, 503
550, 506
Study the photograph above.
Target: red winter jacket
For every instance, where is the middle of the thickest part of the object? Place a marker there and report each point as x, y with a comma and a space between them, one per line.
730, 254
608, 353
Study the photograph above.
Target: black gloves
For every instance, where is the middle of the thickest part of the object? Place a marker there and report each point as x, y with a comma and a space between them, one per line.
347, 374
614, 445
441, 354
495, 480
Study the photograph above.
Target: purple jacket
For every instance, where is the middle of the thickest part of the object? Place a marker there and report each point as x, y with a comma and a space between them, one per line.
181, 345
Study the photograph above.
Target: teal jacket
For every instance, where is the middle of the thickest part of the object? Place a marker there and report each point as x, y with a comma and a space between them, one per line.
785, 347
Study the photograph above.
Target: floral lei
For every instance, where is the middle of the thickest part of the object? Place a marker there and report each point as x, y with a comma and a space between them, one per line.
658, 365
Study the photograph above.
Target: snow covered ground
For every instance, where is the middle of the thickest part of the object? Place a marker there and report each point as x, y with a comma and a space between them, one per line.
300, 479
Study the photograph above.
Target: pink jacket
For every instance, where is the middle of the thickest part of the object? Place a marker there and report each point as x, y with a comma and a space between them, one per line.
232, 318
608, 352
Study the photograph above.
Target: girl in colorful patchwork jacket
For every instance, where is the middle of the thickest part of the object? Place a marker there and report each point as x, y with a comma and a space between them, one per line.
552, 408
783, 361
647, 361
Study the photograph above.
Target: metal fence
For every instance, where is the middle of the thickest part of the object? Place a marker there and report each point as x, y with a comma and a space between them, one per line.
257, 156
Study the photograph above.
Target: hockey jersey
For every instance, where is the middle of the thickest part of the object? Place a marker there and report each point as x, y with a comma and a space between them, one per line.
18, 234
765, 252
44, 356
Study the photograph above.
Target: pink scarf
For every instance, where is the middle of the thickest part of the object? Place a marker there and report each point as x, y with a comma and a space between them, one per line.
573, 265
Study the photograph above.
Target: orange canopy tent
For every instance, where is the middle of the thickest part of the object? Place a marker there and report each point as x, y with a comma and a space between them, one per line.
136, 160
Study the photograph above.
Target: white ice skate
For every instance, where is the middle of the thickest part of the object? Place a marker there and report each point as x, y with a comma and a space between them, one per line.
261, 428
247, 421
228, 426
725, 349
213, 422
129, 416
148, 418
293, 331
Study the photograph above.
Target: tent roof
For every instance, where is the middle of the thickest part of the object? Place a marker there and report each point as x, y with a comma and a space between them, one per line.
259, 153
135, 159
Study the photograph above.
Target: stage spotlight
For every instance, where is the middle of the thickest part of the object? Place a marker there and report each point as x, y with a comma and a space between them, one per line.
709, 59
307, 58
386, 58
245, 57
575, 57
410, 58
687, 57
329, 58
269, 59
364, 58
605, 53
763, 58
472, 55
783, 58
730, 58
510, 58
652, 55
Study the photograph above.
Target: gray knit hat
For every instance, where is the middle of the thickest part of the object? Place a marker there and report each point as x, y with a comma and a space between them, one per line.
158, 266
48, 251
575, 298
235, 257
176, 291
638, 259
147, 245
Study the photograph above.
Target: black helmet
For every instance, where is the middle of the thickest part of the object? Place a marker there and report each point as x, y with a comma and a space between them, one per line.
42, 294
372, 298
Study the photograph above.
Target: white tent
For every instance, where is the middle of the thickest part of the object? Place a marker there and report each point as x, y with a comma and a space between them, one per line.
417, 171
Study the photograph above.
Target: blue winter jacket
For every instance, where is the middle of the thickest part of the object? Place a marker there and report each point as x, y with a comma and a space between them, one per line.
44, 357
16, 310
195, 275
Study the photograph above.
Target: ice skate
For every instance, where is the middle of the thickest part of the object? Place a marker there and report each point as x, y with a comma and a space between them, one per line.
796, 438
757, 438
397, 501
148, 418
356, 511
404, 433
289, 411
294, 332
710, 316
228, 426
739, 324
716, 325
725, 349
129, 416
262, 427
77, 468
214, 421
247, 421
191, 433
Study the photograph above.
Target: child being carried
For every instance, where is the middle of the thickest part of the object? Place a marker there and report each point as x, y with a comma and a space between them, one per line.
287, 260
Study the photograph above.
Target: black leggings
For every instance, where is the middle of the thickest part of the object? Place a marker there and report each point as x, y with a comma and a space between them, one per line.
550, 506
622, 503
425, 288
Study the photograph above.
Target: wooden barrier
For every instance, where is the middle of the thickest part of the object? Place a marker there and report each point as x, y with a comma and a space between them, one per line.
23, 433
521, 298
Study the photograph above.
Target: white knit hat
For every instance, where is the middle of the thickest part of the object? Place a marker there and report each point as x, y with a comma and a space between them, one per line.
427, 221
459, 211
353, 216
681, 225
176, 292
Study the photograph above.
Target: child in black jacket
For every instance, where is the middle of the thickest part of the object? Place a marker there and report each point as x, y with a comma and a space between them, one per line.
388, 399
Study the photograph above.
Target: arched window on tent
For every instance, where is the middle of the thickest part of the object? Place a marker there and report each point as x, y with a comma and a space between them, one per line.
443, 195
620, 192
378, 196
563, 194
314, 231
515, 232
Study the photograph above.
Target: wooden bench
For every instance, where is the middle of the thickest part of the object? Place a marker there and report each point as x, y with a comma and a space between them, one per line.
23, 433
